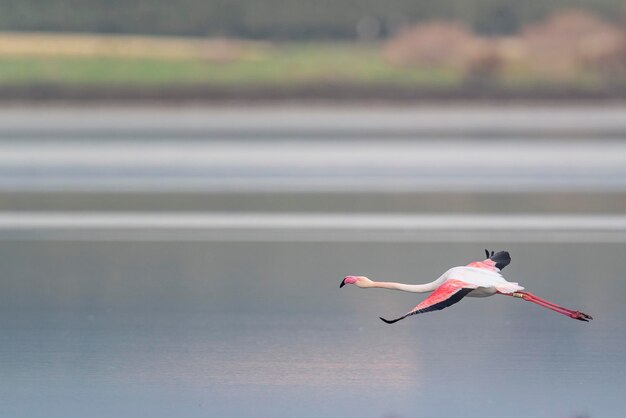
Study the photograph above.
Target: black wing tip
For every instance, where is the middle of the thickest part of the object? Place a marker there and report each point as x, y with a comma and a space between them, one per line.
389, 321
501, 258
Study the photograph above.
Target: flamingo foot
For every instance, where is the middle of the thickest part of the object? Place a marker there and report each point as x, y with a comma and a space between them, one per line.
581, 316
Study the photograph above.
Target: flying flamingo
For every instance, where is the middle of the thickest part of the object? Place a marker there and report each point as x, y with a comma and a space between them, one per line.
477, 279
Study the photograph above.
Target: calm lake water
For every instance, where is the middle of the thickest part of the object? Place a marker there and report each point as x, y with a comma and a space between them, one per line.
197, 276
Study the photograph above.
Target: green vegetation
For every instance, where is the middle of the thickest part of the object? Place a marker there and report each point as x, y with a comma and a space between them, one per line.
288, 65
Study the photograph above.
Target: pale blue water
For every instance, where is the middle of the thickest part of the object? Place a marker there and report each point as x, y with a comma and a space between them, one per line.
262, 329
186, 262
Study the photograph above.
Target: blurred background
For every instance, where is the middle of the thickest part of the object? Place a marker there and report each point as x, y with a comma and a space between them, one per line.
346, 50
184, 185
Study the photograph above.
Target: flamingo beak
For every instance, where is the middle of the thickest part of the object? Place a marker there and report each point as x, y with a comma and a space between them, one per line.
348, 280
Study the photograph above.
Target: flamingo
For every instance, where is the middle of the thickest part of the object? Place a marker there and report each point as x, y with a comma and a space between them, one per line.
477, 279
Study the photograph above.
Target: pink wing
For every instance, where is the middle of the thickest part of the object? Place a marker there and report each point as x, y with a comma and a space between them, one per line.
449, 293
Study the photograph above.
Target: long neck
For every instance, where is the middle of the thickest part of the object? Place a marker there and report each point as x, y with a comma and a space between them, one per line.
415, 288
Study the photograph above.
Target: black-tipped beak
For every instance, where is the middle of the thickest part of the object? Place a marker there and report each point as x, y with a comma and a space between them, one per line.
343, 283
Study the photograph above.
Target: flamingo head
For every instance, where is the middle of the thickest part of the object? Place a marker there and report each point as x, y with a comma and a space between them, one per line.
360, 281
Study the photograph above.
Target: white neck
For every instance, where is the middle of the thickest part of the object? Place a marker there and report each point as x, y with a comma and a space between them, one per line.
415, 288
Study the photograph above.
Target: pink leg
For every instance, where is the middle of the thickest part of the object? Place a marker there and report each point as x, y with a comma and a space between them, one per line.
534, 298
527, 296
556, 308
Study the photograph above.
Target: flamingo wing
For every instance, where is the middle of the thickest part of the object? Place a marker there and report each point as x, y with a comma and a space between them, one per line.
449, 293
494, 261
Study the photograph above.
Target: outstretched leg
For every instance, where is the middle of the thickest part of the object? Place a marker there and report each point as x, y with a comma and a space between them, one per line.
527, 296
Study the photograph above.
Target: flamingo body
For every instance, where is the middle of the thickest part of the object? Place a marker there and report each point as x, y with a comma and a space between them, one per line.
477, 279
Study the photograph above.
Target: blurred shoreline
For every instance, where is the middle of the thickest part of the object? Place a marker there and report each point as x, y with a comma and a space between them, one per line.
323, 94
569, 56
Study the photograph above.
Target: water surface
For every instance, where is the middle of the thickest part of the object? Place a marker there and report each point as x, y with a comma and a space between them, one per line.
262, 329
190, 267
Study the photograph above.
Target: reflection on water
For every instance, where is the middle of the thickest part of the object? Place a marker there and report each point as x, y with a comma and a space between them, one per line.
409, 165
346, 150
313, 227
264, 365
